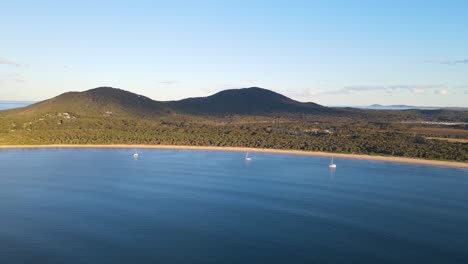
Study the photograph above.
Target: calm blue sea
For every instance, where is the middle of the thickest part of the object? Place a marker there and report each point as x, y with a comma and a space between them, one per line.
174, 206
13, 104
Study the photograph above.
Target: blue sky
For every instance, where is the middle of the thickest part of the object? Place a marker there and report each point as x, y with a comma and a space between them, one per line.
329, 52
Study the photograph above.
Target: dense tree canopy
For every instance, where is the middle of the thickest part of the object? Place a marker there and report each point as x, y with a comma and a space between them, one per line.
311, 133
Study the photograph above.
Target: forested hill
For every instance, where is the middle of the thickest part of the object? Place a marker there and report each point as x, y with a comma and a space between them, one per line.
252, 100
98, 101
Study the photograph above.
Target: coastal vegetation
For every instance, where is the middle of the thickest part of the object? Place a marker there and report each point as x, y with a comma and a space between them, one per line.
112, 116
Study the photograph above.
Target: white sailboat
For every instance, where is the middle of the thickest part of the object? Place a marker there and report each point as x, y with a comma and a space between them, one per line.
136, 155
332, 165
247, 157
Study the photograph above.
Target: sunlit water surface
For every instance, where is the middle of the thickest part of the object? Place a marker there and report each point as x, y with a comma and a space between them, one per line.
174, 206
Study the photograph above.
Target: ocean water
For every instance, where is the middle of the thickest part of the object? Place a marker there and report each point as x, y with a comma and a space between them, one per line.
181, 206
13, 104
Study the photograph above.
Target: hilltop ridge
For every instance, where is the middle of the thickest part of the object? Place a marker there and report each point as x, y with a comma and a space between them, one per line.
96, 101
253, 100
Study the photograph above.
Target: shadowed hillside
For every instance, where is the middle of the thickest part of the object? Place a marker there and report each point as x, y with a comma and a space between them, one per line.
106, 100
252, 100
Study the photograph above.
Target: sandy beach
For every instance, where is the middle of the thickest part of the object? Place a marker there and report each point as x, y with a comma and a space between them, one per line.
242, 149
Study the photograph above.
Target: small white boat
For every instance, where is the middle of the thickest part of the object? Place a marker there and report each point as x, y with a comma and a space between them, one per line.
332, 165
247, 157
136, 155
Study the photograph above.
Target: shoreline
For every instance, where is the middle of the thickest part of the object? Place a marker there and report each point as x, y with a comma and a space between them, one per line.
259, 150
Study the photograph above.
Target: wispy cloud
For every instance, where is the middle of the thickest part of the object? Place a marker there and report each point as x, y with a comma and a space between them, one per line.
2, 81
442, 92
383, 88
448, 62
324, 81
218, 88
460, 86
9, 62
11, 78
169, 82
418, 89
303, 93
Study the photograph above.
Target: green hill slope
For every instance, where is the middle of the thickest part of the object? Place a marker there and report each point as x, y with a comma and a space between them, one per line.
102, 101
252, 100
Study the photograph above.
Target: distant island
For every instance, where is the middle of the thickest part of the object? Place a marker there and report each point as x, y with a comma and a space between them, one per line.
249, 117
